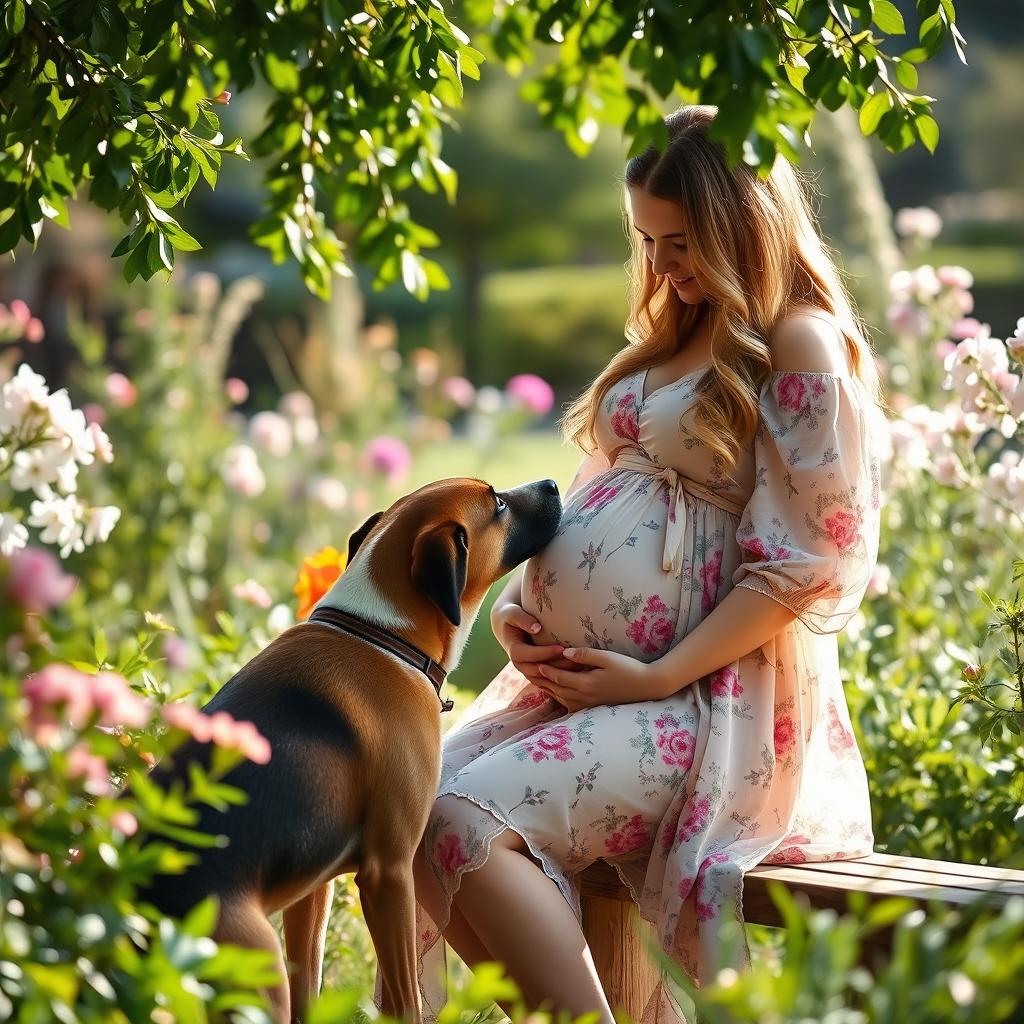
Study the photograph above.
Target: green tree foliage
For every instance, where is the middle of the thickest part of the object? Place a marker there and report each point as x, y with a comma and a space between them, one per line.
122, 95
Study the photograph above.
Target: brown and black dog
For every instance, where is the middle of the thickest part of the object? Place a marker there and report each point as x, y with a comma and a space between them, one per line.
355, 733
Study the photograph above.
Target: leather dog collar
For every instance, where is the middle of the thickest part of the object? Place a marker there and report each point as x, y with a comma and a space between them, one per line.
408, 652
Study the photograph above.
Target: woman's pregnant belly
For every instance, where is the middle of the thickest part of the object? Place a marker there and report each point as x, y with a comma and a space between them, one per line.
600, 582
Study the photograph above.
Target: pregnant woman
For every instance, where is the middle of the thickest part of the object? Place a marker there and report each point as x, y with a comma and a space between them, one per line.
673, 701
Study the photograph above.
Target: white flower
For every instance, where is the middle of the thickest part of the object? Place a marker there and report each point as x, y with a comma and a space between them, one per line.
60, 522
101, 443
296, 404
306, 430
328, 492
947, 470
919, 221
488, 399
13, 535
241, 471
100, 520
272, 432
70, 423
279, 619
26, 392
34, 469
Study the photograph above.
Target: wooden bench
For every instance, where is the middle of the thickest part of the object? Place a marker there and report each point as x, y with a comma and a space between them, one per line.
614, 929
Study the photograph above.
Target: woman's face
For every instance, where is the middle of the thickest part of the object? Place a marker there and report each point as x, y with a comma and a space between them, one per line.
660, 225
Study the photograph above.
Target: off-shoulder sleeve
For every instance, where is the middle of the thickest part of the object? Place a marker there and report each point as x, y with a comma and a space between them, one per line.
809, 533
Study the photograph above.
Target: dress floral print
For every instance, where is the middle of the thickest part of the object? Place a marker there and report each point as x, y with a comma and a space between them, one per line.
756, 761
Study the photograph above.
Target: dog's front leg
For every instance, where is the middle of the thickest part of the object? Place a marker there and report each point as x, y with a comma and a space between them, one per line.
305, 930
389, 906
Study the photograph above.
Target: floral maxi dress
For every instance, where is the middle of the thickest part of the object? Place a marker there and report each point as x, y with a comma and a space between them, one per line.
755, 762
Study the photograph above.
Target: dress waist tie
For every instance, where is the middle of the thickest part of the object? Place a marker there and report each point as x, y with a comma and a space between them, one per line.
679, 485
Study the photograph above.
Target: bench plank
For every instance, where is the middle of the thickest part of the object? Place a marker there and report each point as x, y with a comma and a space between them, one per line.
627, 973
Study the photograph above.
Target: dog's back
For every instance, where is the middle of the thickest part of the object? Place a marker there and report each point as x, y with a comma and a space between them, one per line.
303, 807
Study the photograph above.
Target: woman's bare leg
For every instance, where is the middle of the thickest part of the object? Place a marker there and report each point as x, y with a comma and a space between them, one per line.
458, 933
521, 917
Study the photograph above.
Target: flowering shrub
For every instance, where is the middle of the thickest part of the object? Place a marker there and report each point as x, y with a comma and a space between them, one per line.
43, 442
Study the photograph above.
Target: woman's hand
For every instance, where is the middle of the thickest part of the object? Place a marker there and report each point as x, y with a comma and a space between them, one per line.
513, 628
607, 678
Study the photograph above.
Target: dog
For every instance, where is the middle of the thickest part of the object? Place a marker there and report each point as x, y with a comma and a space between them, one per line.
350, 702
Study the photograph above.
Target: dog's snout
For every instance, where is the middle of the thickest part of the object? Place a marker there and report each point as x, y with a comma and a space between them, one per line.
548, 486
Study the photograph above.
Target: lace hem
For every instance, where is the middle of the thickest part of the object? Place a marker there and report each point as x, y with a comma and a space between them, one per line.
560, 878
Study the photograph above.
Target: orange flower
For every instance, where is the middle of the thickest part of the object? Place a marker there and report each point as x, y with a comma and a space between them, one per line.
316, 576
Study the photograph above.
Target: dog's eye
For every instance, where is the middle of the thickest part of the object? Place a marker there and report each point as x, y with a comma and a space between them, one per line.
501, 506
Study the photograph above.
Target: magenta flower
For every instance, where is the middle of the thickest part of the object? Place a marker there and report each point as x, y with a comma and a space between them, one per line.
390, 456
633, 835
36, 581
532, 392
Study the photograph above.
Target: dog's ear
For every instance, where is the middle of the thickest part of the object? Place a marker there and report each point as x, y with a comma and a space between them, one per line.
439, 558
359, 536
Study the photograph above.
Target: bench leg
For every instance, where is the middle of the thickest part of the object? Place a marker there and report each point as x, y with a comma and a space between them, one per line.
615, 933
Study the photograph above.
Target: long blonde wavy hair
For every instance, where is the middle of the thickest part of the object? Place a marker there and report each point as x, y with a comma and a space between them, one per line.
756, 251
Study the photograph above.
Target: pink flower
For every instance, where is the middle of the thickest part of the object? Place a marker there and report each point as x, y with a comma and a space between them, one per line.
840, 739
756, 547
697, 820
241, 471
955, 277
633, 835
556, 741
843, 528
34, 331
918, 221
219, 727
705, 911
792, 392
531, 697
390, 456
601, 497
624, 419
253, 593
121, 391
966, 327
272, 432
652, 632
107, 695
449, 853
458, 390
725, 683
297, 405
176, 651
677, 747
785, 735
116, 702
82, 763
124, 822
531, 391
789, 852
236, 390
94, 413
710, 578
36, 581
